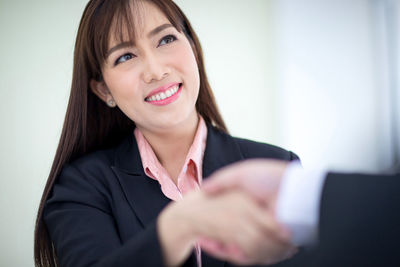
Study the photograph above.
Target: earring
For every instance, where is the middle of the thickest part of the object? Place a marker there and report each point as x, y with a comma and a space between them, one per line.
111, 103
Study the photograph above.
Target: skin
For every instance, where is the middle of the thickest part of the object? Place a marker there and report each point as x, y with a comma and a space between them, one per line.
229, 226
130, 74
260, 179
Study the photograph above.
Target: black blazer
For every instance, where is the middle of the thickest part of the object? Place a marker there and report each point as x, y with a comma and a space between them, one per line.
103, 208
359, 223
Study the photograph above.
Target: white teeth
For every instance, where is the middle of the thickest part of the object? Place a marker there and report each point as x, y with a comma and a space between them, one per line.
164, 95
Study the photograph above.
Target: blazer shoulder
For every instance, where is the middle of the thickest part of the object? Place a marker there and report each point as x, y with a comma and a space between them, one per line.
101, 158
92, 169
92, 163
253, 149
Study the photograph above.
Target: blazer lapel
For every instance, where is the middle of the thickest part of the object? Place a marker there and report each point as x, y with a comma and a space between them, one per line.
142, 192
221, 150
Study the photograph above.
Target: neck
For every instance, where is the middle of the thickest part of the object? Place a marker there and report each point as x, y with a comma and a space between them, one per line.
172, 145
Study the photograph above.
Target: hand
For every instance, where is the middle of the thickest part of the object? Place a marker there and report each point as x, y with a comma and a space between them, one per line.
261, 180
243, 232
249, 234
175, 234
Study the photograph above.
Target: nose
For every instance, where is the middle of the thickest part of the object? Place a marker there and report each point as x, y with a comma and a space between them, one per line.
154, 69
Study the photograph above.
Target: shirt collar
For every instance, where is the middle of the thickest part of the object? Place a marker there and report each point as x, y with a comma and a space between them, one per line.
151, 164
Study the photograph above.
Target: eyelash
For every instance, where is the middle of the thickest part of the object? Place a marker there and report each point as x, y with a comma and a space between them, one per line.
118, 61
171, 38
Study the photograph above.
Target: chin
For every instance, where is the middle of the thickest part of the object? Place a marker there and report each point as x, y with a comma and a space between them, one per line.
174, 121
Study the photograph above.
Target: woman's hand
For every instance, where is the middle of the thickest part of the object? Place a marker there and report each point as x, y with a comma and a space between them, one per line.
230, 226
175, 232
235, 228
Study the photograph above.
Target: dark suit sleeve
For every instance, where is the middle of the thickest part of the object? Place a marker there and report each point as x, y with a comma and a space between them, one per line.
359, 223
360, 220
79, 220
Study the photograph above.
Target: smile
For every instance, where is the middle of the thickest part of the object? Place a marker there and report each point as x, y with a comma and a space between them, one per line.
165, 96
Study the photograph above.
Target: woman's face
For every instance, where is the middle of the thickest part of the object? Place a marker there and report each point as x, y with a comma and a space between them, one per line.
155, 81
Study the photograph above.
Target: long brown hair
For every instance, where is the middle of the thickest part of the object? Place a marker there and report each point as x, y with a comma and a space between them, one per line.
89, 124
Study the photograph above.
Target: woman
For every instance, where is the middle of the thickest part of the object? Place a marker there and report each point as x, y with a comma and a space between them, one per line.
141, 129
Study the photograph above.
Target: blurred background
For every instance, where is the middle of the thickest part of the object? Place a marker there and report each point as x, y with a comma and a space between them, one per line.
318, 77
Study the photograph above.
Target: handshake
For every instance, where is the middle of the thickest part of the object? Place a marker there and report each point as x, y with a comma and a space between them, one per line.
233, 217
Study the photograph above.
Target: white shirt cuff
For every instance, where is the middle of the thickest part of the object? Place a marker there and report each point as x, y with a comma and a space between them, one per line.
298, 202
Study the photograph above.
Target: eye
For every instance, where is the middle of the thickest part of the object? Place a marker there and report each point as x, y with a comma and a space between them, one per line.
167, 39
124, 58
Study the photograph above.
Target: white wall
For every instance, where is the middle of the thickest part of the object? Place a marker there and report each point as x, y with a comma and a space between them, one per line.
333, 97
236, 39
300, 75
395, 11
35, 70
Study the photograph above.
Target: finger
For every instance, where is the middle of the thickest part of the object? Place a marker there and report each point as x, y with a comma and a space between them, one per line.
271, 250
250, 231
274, 228
269, 225
290, 252
261, 217
257, 186
221, 181
267, 244
209, 244
248, 240
236, 255
214, 248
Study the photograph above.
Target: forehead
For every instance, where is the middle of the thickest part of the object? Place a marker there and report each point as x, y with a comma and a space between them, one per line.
140, 19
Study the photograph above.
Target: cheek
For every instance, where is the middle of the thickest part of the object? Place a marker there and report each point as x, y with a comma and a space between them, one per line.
121, 84
187, 64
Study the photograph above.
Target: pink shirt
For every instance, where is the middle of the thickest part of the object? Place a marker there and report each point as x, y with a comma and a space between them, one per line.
189, 178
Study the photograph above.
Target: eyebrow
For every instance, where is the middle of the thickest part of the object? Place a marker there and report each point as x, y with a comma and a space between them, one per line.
119, 46
159, 29
128, 44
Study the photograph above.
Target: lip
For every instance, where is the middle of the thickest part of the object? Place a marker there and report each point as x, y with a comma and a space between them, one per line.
167, 100
161, 89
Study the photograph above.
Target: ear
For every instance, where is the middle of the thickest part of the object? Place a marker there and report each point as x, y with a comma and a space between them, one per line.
100, 89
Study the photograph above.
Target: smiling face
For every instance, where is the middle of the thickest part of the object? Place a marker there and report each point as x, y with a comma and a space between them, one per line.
154, 81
